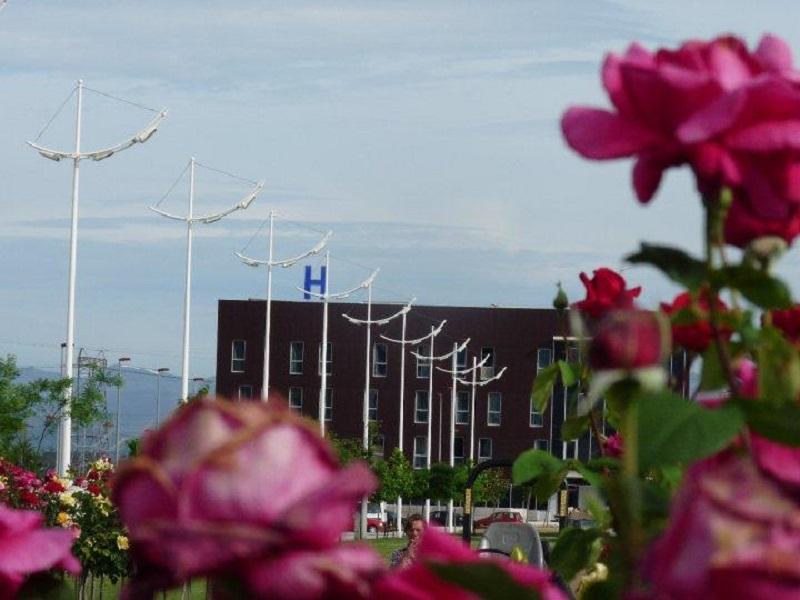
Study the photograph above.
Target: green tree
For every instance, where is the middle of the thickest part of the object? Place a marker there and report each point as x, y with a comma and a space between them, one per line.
396, 477
491, 485
441, 481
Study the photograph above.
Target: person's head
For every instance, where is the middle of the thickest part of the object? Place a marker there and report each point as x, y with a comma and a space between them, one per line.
414, 527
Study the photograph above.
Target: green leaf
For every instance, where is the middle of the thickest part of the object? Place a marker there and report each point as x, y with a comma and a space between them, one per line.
758, 286
574, 427
569, 373
674, 263
673, 430
778, 367
574, 551
712, 377
777, 423
542, 468
487, 580
543, 386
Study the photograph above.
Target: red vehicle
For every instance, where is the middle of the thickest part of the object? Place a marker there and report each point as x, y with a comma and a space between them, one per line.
374, 525
503, 516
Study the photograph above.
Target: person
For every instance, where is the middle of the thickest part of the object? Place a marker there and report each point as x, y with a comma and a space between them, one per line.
405, 557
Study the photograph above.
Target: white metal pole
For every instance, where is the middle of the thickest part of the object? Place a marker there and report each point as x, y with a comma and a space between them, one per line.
65, 450
472, 411
452, 430
119, 407
187, 294
158, 398
402, 415
365, 404
427, 512
323, 387
268, 318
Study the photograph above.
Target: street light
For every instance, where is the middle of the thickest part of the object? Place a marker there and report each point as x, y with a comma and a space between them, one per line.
120, 360
158, 394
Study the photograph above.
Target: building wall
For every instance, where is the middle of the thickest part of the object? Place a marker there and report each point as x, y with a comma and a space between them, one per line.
515, 335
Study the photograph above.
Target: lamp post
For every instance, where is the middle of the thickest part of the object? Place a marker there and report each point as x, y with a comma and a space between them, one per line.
65, 426
475, 384
270, 263
190, 219
120, 360
158, 394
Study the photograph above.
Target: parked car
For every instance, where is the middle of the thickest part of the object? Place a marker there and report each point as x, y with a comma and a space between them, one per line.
374, 525
439, 517
502, 516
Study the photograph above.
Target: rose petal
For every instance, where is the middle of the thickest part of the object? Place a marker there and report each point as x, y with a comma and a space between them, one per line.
647, 174
774, 54
601, 134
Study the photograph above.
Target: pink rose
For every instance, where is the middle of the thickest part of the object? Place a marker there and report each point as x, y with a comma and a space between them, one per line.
26, 547
733, 533
236, 489
607, 290
731, 114
630, 339
695, 336
419, 582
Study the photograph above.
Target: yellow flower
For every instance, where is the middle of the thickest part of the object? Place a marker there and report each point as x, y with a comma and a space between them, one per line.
63, 519
66, 499
122, 542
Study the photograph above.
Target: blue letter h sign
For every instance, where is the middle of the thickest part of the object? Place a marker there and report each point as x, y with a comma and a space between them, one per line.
309, 282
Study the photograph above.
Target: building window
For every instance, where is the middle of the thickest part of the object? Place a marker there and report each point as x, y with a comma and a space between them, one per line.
245, 392
541, 445
379, 447
420, 406
237, 356
494, 409
380, 360
573, 353
544, 356
458, 451
328, 359
296, 399
462, 408
296, 358
423, 364
373, 405
484, 449
420, 452
328, 404
537, 418
569, 450
487, 370
461, 358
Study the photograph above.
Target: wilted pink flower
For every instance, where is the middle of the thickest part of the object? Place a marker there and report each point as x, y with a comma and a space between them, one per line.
230, 488
733, 533
607, 290
419, 582
629, 339
26, 547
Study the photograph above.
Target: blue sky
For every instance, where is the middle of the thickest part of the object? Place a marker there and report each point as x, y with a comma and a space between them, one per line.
425, 134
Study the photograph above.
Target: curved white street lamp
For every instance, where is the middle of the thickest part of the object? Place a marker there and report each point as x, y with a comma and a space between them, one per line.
65, 430
270, 263
190, 219
475, 384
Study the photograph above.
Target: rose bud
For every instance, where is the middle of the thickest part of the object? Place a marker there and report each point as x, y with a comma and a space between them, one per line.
628, 340
606, 291
697, 334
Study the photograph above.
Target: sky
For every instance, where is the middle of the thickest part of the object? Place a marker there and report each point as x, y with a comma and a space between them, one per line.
424, 134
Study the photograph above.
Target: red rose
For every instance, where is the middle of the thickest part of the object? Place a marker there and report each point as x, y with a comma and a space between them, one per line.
746, 221
605, 291
788, 321
630, 339
697, 335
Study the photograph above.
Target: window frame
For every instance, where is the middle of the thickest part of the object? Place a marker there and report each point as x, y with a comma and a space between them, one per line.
423, 364
487, 371
541, 352
292, 406
459, 412
373, 394
238, 359
417, 395
294, 361
328, 359
422, 456
240, 396
490, 411
481, 457
380, 368
328, 409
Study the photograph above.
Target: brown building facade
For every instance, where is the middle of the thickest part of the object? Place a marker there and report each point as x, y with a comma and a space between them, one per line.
522, 340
